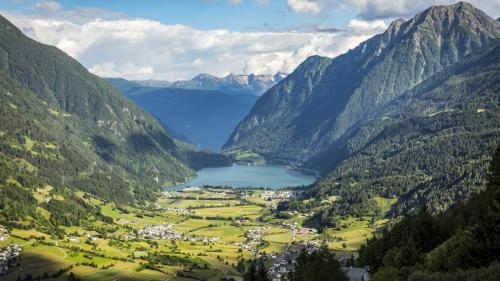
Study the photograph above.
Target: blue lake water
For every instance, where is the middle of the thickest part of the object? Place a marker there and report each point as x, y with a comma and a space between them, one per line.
239, 176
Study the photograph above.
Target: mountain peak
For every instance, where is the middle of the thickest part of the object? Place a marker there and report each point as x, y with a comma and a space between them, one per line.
460, 10
342, 90
204, 76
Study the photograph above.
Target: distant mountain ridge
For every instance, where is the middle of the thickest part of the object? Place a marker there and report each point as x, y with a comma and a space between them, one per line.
231, 84
319, 116
204, 118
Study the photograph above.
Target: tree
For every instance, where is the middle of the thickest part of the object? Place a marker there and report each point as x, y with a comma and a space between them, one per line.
318, 265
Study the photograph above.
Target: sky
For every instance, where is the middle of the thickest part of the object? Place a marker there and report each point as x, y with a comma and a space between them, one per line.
179, 39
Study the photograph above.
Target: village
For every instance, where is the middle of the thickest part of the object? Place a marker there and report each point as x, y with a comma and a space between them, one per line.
280, 194
4, 234
219, 225
166, 232
7, 256
285, 263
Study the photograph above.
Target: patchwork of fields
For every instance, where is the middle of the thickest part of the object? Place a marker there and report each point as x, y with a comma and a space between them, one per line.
213, 226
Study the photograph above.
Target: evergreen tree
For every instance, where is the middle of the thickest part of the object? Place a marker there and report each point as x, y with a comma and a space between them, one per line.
319, 265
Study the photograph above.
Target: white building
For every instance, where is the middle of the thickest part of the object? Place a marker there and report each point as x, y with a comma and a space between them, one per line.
6, 255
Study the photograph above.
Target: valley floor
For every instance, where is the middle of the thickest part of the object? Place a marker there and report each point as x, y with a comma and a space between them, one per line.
202, 234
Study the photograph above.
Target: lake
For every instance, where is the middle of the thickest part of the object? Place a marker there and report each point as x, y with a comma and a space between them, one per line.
239, 176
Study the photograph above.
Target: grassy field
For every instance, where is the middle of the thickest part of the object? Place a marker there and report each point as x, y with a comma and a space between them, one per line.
109, 256
185, 203
353, 235
251, 211
247, 156
226, 233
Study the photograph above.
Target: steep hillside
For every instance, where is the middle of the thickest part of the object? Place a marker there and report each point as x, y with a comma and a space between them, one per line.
63, 129
430, 147
206, 118
461, 244
411, 113
324, 98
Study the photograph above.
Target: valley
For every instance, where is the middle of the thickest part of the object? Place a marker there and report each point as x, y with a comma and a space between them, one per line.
196, 233
381, 162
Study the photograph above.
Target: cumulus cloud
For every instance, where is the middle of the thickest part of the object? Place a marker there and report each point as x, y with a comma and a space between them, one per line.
382, 9
313, 7
44, 5
146, 49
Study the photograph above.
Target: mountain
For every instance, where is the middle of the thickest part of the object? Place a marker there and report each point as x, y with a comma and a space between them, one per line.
65, 130
204, 117
430, 147
392, 115
231, 84
459, 244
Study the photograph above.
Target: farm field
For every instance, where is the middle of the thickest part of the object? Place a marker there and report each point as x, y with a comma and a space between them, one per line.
251, 211
205, 237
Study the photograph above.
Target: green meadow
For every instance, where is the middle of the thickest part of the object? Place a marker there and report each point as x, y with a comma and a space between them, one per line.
100, 250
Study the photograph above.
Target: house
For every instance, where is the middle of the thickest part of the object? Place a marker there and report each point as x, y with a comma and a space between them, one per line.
6, 255
4, 234
74, 240
358, 273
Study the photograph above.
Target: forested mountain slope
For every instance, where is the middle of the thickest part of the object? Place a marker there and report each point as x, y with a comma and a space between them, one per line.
462, 243
430, 147
411, 113
63, 129
325, 98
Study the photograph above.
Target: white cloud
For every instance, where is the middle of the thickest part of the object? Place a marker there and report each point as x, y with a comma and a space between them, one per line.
43, 5
313, 7
383, 9
235, 2
144, 49
368, 26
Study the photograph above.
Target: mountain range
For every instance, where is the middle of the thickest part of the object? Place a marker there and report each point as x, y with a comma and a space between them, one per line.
412, 112
204, 118
231, 84
66, 130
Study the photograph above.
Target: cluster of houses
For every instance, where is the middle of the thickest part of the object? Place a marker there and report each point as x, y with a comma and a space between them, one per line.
204, 239
166, 232
181, 211
298, 230
174, 194
185, 193
4, 234
191, 189
285, 263
7, 255
280, 194
254, 238
162, 231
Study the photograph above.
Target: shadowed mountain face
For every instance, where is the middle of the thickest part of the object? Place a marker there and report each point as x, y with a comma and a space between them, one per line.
64, 127
332, 114
429, 147
324, 98
203, 117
